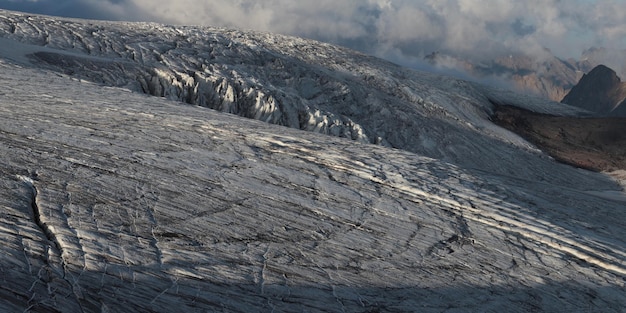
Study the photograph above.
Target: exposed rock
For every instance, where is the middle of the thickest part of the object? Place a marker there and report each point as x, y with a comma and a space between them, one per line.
597, 144
551, 77
600, 91
620, 110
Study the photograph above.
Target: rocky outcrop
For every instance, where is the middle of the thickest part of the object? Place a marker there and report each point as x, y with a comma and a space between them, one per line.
600, 91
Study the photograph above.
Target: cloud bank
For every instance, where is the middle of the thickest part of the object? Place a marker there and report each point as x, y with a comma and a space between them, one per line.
400, 30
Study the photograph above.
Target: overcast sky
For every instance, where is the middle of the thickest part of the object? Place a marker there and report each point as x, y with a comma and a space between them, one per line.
400, 30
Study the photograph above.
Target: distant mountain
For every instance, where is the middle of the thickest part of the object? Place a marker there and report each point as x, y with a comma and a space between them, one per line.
548, 76
551, 77
600, 91
615, 59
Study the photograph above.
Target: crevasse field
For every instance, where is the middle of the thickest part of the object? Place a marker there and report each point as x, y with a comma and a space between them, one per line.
279, 174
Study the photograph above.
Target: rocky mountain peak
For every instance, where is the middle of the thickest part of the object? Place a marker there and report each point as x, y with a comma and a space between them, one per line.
603, 74
600, 91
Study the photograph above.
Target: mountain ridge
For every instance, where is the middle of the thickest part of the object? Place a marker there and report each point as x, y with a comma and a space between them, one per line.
546, 76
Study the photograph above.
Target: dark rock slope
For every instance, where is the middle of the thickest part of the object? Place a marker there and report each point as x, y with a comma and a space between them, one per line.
592, 143
600, 91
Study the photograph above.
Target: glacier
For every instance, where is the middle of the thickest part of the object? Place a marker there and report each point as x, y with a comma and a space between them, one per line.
225, 192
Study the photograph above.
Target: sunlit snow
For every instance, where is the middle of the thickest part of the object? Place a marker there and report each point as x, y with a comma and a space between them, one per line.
116, 201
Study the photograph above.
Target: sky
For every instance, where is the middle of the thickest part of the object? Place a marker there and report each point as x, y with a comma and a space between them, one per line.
402, 31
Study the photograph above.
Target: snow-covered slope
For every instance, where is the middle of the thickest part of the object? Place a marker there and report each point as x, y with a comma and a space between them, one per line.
116, 201
288, 81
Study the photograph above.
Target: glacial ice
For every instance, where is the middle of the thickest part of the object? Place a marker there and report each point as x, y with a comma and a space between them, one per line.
153, 205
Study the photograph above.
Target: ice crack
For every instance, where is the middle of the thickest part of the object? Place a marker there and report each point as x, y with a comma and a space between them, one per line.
37, 214
50, 236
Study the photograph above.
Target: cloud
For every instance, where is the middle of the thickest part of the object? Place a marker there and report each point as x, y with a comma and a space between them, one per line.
400, 30
475, 27
88, 9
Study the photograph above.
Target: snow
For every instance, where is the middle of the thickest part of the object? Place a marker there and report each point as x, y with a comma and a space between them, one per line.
293, 82
117, 201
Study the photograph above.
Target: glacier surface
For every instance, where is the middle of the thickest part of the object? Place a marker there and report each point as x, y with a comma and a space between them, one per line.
113, 200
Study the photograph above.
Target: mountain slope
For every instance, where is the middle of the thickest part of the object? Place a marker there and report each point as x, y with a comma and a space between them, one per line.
144, 204
597, 144
600, 91
546, 76
117, 201
288, 81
